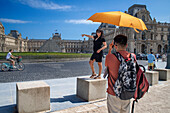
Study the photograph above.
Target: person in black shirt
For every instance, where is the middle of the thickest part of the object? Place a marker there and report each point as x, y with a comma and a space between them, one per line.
97, 52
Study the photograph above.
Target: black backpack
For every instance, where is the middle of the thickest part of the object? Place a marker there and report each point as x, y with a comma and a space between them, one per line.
142, 85
125, 85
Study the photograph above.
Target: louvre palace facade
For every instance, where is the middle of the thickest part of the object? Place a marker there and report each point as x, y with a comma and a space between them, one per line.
154, 39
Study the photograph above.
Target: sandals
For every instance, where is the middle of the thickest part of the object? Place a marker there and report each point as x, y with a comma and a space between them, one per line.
93, 76
97, 77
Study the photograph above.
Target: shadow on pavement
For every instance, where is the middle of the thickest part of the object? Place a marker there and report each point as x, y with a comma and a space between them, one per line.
8, 109
71, 98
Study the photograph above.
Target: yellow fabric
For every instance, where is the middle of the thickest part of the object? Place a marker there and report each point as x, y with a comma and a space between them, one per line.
119, 19
150, 64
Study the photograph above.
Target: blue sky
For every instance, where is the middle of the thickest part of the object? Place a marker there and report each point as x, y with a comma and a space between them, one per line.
38, 19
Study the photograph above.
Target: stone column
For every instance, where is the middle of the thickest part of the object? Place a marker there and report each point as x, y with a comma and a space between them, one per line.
139, 48
154, 47
168, 53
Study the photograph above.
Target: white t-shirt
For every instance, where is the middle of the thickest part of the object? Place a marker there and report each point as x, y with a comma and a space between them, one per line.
8, 55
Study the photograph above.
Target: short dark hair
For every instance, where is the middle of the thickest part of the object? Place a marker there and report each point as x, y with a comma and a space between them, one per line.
99, 30
10, 50
120, 39
151, 52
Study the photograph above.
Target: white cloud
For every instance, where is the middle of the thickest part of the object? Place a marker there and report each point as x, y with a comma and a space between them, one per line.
81, 21
14, 21
44, 4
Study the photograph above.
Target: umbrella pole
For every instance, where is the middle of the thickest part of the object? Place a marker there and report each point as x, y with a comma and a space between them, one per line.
114, 33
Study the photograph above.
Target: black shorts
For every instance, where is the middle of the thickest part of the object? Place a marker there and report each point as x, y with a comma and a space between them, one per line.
97, 57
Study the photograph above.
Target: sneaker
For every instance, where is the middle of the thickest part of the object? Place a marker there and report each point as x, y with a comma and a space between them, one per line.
14, 67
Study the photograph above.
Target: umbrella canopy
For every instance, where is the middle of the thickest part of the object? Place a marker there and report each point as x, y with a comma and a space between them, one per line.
119, 19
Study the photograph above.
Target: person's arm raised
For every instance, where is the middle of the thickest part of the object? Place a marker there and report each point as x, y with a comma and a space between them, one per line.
110, 47
89, 36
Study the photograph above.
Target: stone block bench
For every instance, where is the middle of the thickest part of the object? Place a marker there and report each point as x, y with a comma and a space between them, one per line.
152, 77
164, 74
91, 89
32, 97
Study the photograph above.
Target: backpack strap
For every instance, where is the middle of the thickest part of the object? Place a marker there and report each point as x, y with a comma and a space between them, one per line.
121, 58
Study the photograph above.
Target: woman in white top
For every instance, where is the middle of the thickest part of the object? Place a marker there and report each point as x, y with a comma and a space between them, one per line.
9, 56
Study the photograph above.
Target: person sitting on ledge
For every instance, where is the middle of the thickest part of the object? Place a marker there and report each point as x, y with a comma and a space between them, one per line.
97, 52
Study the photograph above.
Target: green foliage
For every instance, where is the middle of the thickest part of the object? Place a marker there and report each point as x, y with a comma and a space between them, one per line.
45, 55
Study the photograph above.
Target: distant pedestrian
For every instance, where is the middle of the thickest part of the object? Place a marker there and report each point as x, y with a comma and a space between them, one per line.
163, 58
157, 57
115, 104
151, 59
97, 55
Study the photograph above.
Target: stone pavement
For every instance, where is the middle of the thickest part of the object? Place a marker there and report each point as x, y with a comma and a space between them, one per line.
64, 100
62, 95
157, 100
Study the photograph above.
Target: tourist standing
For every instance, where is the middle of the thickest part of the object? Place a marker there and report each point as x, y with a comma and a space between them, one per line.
115, 104
151, 59
163, 58
97, 55
157, 57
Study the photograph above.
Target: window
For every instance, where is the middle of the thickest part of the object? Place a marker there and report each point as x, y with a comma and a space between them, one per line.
143, 18
151, 36
150, 50
135, 36
167, 37
162, 29
135, 50
143, 36
162, 37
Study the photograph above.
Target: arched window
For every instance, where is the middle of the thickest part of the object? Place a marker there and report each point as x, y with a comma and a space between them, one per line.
143, 48
135, 50
143, 18
159, 48
143, 36
162, 37
151, 36
135, 35
165, 49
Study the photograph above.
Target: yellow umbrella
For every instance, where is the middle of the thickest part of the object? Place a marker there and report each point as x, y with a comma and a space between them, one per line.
119, 19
